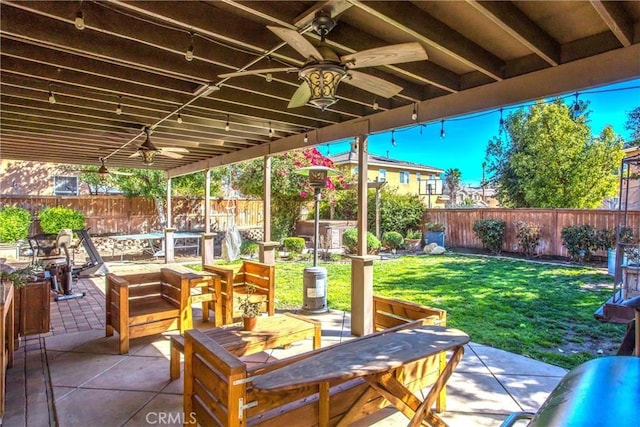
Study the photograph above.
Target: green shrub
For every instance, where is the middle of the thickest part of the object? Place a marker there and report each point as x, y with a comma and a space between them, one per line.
434, 227
249, 247
350, 241
528, 235
294, 244
413, 234
491, 233
579, 240
392, 239
606, 239
14, 224
52, 220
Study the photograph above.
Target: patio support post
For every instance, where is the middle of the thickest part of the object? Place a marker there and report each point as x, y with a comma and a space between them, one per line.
362, 263
169, 230
207, 236
267, 247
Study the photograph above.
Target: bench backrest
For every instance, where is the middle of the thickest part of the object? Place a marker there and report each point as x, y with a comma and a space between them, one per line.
390, 312
261, 276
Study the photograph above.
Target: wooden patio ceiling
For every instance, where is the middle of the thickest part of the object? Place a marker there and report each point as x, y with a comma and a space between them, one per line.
481, 55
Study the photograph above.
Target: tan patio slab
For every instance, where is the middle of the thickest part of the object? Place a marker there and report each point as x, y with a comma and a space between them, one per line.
164, 409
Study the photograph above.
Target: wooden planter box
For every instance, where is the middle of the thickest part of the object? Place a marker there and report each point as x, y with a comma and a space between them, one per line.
33, 307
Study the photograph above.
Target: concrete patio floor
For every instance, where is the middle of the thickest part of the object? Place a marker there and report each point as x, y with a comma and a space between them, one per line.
74, 376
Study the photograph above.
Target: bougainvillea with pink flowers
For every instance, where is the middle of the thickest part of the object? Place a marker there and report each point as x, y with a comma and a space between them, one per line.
289, 191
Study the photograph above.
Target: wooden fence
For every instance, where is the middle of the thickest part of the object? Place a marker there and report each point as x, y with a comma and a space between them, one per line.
459, 225
122, 215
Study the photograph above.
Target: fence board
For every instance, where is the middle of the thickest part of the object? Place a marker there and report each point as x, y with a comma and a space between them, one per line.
459, 225
122, 215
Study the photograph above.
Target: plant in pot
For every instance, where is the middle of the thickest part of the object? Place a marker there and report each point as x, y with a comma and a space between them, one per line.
250, 308
412, 239
434, 233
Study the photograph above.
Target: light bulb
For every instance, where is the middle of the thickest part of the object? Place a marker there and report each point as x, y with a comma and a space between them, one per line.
79, 21
306, 137
52, 98
375, 105
226, 126
414, 114
119, 109
188, 55
268, 78
442, 134
393, 139
179, 119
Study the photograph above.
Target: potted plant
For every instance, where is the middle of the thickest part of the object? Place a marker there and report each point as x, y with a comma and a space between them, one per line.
250, 308
434, 233
412, 239
392, 240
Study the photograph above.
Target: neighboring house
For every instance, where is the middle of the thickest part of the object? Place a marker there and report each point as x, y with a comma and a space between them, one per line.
630, 187
476, 197
21, 178
407, 177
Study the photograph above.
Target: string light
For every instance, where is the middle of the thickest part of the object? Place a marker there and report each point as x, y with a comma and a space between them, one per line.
269, 77
189, 53
52, 98
270, 130
375, 105
414, 114
576, 104
393, 139
226, 126
79, 21
442, 134
179, 119
306, 137
501, 125
119, 107
328, 150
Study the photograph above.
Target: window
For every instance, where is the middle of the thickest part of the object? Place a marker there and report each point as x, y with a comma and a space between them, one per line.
65, 185
418, 176
404, 177
382, 175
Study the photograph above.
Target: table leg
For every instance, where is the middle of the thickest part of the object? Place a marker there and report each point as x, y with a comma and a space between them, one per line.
323, 404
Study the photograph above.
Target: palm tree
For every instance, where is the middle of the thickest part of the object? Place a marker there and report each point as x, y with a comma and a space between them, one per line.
452, 184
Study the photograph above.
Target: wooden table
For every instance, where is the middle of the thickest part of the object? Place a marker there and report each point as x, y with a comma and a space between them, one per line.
270, 332
377, 361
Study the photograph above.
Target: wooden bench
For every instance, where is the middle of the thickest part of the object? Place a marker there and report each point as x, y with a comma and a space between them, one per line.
217, 383
233, 284
147, 303
270, 332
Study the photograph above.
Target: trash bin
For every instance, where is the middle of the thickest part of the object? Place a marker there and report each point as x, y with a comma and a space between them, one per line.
314, 298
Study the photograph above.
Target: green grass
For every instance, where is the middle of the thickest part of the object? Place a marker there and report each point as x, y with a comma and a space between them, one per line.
527, 308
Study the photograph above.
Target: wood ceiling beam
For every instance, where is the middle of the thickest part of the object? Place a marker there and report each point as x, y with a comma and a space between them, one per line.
426, 29
613, 14
518, 25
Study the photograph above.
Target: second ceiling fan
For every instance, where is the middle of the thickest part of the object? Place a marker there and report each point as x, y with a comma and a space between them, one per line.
324, 69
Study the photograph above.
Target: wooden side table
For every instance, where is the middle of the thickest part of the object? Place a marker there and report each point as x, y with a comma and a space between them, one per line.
7, 326
33, 308
208, 292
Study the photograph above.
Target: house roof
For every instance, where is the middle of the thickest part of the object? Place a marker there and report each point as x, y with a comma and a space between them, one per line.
481, 55
351, 157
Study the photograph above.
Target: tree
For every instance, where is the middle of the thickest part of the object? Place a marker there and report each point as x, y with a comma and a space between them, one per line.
289, 191
633, 125
550, 159
452, 184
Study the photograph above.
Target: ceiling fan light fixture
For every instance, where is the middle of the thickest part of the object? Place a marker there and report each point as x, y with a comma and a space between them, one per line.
323, 80
148, 151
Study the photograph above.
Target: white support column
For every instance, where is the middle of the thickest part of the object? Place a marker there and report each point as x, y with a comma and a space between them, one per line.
362, 263
207, 236
169, 255
267, 247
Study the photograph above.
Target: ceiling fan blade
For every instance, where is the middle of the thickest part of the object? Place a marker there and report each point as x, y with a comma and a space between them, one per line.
135, 154
174, 149
372, 84
120, 173
170, 154
301, 96
297, 41
386, 55
261, 71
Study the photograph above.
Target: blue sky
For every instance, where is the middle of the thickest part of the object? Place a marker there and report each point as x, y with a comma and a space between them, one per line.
467, 136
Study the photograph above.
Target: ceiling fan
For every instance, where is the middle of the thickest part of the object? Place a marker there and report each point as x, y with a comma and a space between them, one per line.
148, 151
324, 69
103, 172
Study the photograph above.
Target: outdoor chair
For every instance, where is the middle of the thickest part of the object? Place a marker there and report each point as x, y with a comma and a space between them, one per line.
148, 303
261, 277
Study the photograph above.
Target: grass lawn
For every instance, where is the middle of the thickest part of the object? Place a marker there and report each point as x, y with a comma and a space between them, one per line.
538, 310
